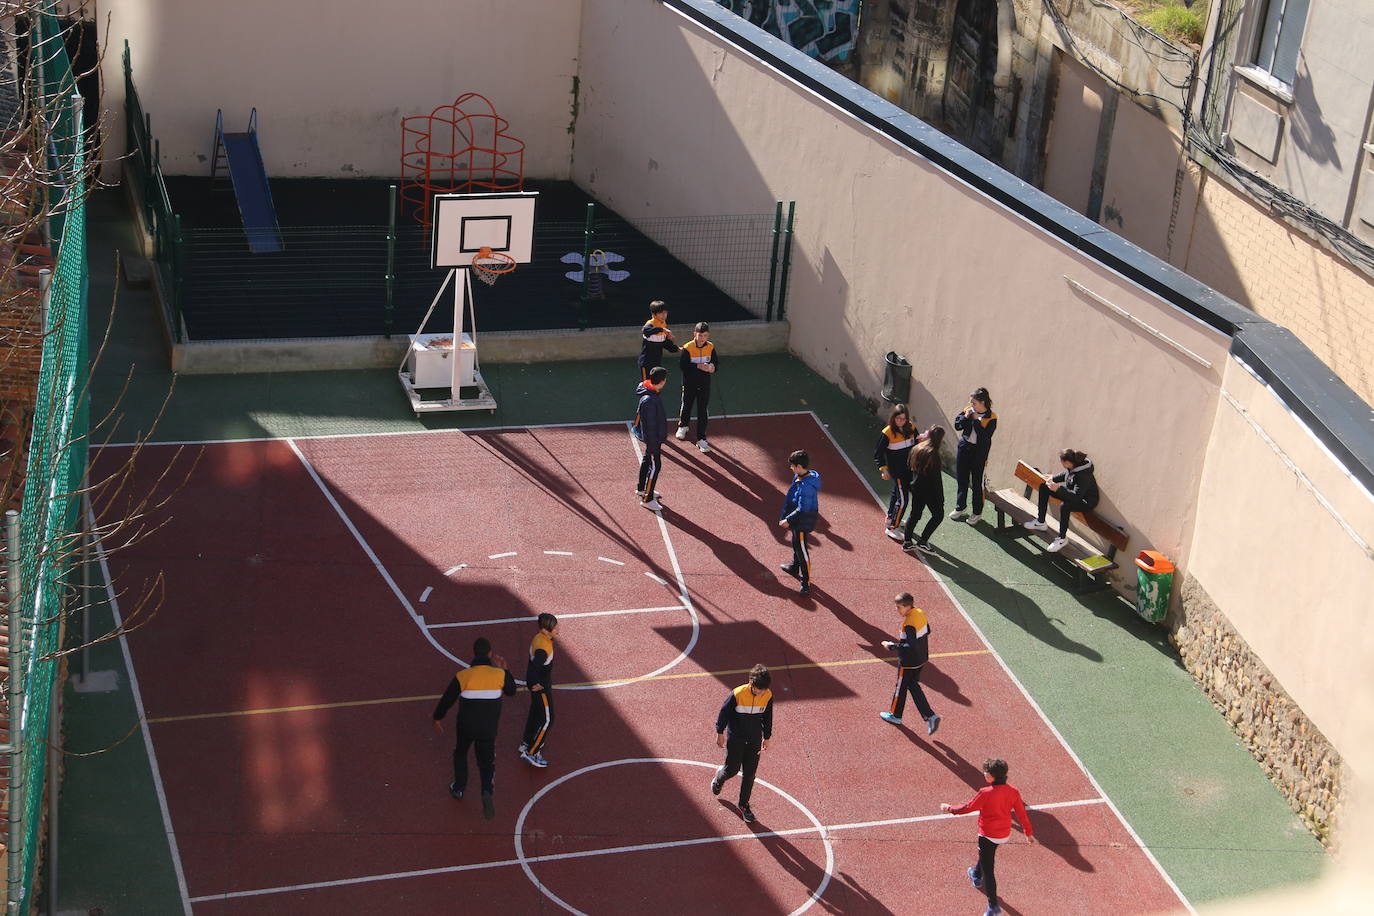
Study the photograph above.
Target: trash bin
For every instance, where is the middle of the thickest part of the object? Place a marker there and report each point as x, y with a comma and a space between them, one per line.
896, 379
1155, 579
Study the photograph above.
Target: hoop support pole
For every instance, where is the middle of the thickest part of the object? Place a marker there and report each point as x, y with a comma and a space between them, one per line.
773, 261
389, 315
786, 260
425, 320
584, 303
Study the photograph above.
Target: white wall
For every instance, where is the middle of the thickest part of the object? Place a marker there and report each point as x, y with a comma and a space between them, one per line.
893, 254
332, 79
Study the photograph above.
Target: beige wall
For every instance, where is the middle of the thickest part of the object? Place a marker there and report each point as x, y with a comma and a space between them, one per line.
1293, 575
332, 80
1072, 142
892, 253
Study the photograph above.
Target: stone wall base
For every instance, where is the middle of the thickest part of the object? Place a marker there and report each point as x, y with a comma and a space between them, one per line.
1298, 758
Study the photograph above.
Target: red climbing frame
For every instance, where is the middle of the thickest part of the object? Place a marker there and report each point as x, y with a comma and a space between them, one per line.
459, 148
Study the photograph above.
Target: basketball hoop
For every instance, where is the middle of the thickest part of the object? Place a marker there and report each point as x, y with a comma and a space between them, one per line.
488, 265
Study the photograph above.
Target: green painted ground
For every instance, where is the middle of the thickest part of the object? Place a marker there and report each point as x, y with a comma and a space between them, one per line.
1108, 682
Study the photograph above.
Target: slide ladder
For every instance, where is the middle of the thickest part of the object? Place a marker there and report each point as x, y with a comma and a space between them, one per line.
242, 157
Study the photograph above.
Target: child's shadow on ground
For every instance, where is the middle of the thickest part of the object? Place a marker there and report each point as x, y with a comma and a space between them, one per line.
738, 558
872, 635
946, 756
934, 679
1055, 837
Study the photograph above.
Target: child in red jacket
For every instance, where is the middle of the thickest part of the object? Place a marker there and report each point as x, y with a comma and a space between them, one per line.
995, 804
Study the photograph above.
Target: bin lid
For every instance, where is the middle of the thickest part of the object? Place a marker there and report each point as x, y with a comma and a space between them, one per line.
1152, 561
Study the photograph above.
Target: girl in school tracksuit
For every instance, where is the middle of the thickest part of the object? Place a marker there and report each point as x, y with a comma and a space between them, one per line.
891, 454
1075, 487
927, 489
975, 424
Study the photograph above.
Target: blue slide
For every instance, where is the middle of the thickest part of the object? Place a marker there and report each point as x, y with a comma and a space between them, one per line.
249, 176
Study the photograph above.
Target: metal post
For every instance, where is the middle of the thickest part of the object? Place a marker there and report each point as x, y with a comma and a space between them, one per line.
388, 317
773, 262
84, 553
15, 826
54, 736
176, 277
584, 303
786, 260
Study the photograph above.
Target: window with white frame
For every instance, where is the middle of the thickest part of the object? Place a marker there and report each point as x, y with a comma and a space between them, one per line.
1280, 39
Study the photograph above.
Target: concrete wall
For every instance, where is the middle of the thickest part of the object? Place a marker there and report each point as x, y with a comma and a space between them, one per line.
891, 253
1282, 545
332, 80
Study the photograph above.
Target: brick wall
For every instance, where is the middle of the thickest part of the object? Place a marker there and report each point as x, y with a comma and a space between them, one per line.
1241, 251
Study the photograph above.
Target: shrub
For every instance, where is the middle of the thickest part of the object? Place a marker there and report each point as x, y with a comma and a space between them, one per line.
1177, 21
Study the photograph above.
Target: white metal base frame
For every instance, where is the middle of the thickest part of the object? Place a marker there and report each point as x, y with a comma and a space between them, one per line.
483, 401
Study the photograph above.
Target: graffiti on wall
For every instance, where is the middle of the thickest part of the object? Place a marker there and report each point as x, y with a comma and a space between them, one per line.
824, 29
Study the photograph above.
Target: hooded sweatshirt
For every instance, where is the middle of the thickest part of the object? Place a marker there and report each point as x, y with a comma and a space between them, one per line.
975, 431
1080, 482
653, 422
803, 503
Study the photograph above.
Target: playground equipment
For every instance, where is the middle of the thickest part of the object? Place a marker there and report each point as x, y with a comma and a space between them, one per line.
241, 155
459, 148
482, 234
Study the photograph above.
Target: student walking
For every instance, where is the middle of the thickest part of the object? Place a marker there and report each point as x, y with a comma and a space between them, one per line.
1076, 489
913, 652
891, 455
995, 803
927, 489
698, 363
975, 424
657, 337
744, 727
653, 426
477, 690
800, 511
539, 680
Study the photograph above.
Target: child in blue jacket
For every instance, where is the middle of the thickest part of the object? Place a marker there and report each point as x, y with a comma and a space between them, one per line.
799, 514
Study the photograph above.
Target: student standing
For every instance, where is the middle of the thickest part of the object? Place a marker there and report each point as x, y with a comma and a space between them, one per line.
927, 489
657, 338
477, 690
891, 454
744, 726
653, 427
539, 680
1075, 487
913, 652
995, 804
698, 363
800, 511
975, 424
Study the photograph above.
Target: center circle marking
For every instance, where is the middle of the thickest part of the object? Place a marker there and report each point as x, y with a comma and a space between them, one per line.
524, 860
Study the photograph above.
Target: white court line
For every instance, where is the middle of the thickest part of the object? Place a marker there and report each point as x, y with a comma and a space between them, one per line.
424, 595
371, 555
416, 432
558, 553
498, 556
561, 616
616, 850
449, 572
609, 560
143, 722
1135, 837
659, 579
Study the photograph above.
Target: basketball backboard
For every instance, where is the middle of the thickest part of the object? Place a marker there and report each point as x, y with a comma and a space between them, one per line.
464, 224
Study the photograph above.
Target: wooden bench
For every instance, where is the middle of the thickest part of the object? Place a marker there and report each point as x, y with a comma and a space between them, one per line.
1086, 559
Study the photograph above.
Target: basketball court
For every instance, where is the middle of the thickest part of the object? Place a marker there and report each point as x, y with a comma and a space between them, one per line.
322, 592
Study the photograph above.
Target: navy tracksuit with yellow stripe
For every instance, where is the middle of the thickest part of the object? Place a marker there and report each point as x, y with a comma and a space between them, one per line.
539, 674
696, 383
912, 654
891, 454
477, 691
747, 721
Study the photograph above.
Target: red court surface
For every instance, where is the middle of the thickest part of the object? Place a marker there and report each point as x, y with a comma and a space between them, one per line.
320, 590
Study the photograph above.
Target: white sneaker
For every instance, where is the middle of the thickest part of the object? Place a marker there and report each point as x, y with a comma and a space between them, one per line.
703, 445
652, 505
1036, 525
681, 433
958, 515
896, 534
1057, 545
974, 519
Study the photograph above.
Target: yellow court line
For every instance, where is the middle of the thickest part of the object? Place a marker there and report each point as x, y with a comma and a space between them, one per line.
432, 697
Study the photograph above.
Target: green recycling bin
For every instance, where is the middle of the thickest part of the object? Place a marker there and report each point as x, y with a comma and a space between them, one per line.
1155, 579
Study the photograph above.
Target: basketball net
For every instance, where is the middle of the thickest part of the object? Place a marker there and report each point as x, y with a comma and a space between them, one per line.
488, 265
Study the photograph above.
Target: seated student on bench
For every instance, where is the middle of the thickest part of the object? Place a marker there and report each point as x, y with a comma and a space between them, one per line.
1075, 487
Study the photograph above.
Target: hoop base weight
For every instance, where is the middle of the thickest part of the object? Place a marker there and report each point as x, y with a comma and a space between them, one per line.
483, 400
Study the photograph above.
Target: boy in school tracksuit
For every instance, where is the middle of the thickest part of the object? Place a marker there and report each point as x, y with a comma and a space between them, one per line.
995, 803
747, 715
800, 512
912, 654
539, 681
653, 427
657, 338
698, 363
477, 690
975, 424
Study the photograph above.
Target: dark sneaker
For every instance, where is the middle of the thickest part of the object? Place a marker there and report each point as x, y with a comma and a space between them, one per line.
747, 813
932, 724
789, 569
974, 877
488, 806
908, 546
716, 786
924, 547
805, 589
455, 791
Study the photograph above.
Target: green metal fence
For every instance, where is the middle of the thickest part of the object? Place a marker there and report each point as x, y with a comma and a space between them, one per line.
47, 525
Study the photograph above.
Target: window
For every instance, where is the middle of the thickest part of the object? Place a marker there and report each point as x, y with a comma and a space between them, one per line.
1281, 38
